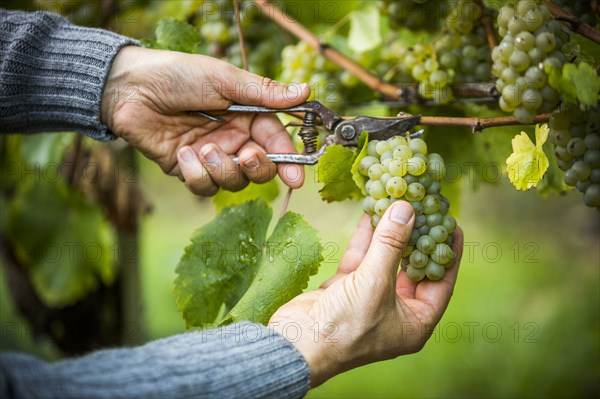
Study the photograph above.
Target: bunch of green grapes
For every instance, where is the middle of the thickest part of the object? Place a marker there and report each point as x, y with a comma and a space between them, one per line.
580, 8
301, 63
402, 170
414, 14
461, 54
576, 137
531, 41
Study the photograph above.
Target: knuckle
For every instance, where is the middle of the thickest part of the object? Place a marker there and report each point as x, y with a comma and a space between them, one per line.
391, 238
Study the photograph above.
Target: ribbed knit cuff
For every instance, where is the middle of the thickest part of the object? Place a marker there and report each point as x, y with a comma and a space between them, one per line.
52, 74
244, 360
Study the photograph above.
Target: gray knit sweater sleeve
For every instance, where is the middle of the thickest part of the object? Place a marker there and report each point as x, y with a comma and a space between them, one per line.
52, 74
244, 360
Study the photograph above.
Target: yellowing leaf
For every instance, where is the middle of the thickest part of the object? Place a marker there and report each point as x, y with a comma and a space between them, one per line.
365, 33
528, 162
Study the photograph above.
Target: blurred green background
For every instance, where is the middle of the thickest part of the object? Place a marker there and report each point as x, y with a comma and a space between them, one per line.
524, 320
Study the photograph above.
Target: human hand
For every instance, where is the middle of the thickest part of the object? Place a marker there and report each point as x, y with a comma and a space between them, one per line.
163, 85
368, 312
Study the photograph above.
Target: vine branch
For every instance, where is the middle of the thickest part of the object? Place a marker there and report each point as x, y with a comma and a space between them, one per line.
572, 22
238, 23
407, 93
488, 25
297, 29
479, 124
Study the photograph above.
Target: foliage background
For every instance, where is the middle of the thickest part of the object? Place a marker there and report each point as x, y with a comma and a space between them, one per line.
521, 323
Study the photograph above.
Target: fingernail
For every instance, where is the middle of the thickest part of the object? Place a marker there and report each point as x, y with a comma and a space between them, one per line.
401, 213
210, 155
296, 90
186, 154
252, 163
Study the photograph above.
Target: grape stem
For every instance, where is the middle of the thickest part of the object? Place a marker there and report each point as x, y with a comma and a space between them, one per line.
572, 22
478, 124
407, 93
488, 25
238, 24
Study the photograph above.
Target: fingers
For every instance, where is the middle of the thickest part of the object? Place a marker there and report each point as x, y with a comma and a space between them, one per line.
437, 293
244, 87
359, 244
221, 168
197, 179
391, 235
267, 131
255, 164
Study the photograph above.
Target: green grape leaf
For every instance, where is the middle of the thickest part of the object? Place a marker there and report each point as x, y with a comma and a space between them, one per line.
292, 254
173, 34
553, 180
528, 162
221, 261
576, 83
361, 152
64, 241
365, 32
267, 191
334, 172
45, 148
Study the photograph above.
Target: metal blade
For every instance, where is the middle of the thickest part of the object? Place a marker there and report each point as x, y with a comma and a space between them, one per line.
396, 128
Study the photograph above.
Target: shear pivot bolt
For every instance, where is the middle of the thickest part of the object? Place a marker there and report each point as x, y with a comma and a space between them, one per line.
348, 132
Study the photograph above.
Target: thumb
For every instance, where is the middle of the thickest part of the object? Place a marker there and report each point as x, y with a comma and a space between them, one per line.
251, 89
390, 237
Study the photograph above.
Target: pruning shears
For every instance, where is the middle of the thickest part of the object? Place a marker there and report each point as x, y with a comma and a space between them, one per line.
342, 130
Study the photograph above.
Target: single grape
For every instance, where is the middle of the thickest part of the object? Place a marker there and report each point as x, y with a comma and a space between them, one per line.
415, 192
420, 220
382, 147
576, 147
434, 188
449, 223
581, 186
570, 178
375, 171
582, 169
591, 197
417, 166
426, 244
381, 206
434, 271
368, 205
435, 219
418, 259
366, 163
414, 237
592, 141
386, 155
415, 274
418, 146
592, 158
418, 207
396, 187
525, 41
545, 41
372, 149
439, 233
402, 152
425, 180
377, 190
442, 253
524, 115
375, 220
398, 167
431, 204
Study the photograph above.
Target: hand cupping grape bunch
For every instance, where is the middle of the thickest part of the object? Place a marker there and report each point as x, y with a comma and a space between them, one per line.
576, 137
402, 170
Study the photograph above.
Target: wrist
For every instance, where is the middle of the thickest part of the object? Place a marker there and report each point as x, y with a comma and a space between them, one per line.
316, 353
117, 76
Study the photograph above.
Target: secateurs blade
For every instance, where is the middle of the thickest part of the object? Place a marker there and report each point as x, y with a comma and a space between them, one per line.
342, 130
